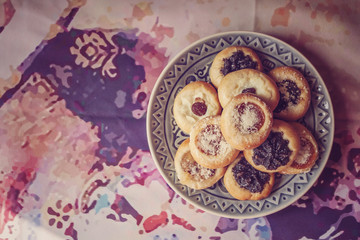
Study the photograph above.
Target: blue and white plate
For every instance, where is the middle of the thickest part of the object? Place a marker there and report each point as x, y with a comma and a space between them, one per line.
192, 64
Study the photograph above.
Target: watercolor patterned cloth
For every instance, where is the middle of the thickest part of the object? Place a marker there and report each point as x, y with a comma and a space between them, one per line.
75, 163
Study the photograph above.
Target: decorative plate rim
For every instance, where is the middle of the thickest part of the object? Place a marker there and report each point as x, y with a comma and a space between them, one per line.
321, 164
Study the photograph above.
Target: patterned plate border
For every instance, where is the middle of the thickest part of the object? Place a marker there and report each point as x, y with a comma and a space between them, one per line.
192, 64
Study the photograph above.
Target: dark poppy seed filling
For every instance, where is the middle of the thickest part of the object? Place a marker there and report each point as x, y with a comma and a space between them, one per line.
236, 62
273, 153
249, 90
248, 177
289, 94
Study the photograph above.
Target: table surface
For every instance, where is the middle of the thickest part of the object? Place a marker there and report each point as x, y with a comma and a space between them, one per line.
75, 82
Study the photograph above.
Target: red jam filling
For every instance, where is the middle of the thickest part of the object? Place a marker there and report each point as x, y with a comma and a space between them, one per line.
199, 107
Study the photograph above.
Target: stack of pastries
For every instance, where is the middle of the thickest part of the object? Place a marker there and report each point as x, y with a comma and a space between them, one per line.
242, 126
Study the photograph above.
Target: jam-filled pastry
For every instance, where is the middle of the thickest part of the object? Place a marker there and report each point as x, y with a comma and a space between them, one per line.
190, 173
195, 101
232, 59
208, 146
246, 121
308, 152
244, 182
295, 95
278, 151
249, 81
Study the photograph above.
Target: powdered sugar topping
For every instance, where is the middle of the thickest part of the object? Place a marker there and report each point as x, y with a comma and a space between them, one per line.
304, 152
198, 172
211, 141
248, 118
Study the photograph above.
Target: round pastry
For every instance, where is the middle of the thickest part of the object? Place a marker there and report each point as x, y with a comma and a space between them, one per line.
232, 59
278, 151
244, 182
195, 101
249, 81
295, 95
190, 173
246, 121
308, 152
208, 146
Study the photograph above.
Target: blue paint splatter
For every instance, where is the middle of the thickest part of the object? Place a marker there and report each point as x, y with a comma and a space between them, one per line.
264, 231
103, 202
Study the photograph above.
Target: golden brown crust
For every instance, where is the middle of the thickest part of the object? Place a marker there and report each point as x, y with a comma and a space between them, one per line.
215, 70
192, 174
236, 82
289, 134
191, 93
293, 111
208, 146
308, 152
239, 129
241, 193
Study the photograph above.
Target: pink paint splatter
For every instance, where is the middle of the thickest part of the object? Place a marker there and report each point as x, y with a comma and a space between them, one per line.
281, 15
71, 232
141, 10
329, 10
141, 179
162, 31
12, 190
182, 222
155, 221
7, 11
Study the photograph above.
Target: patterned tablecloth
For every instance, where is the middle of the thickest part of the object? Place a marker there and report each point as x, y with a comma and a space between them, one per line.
75, 81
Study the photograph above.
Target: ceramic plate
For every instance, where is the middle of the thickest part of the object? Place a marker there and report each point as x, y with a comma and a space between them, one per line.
192, 64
